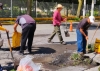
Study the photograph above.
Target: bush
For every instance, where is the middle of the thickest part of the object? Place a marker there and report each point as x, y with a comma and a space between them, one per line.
77, 19
69, 18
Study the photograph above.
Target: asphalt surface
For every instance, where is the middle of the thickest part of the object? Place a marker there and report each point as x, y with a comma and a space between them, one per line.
41, 47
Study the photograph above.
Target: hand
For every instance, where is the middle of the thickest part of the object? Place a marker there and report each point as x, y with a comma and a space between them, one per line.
65, 19
86, 37
7, 30
15, 30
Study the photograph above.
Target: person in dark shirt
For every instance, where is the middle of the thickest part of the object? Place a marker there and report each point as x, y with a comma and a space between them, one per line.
82, 34
28, 25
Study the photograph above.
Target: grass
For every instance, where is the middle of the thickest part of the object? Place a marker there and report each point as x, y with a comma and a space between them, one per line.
12, 70
99, 69
90, 47
78, 59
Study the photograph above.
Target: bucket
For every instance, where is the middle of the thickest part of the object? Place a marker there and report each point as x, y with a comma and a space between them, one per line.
97, 46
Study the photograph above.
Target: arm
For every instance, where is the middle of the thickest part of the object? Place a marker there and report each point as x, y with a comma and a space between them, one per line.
3, 29
55, 17
62, 18
15, 27
81, 30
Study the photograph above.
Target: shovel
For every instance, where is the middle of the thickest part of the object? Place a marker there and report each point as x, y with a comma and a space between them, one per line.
14, 61
66, 31
89, 44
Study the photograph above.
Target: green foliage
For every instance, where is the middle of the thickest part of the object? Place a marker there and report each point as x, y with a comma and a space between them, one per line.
90, 47
13, 70
75, 56
79, 59
77, 19
96, 13
99, 69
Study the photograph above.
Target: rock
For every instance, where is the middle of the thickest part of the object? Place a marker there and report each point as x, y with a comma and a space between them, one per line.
93, 69
96, 57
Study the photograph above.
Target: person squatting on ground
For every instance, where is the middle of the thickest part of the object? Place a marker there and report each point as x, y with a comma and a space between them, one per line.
28, 25
56, 23
82, 34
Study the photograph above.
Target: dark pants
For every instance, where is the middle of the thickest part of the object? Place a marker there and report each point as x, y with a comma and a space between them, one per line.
81, 41
27, 33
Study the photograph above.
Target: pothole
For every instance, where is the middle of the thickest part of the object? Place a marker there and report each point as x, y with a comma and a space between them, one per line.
61, 60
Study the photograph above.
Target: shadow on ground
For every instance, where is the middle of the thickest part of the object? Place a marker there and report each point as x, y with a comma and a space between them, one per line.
15, 49
43, 50
48, 53
35, 50
69, 42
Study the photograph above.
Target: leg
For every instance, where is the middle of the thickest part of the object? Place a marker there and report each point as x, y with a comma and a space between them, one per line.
84, 43
53, 34
30, 37
79, 41
59, 33
25, 33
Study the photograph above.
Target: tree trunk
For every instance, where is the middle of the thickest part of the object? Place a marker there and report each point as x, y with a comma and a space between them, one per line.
29, 6
79, 7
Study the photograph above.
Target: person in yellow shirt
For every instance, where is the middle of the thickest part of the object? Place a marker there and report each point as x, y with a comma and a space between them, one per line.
1, 27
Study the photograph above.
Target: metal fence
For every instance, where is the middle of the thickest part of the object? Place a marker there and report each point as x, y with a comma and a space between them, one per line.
41, 9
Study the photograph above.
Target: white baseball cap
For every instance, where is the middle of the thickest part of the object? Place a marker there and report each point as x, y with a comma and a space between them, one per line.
59, 6
92, 19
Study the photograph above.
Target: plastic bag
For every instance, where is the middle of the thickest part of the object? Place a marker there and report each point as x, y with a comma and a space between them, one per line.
16, 39
26, 64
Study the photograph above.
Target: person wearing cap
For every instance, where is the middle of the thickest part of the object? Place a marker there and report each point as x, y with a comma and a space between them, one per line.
28, 25
56, 23
82, 33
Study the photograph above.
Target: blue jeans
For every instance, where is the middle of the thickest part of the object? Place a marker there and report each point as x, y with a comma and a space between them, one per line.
81, 41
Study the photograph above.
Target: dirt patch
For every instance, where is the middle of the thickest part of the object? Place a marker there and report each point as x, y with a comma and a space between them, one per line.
58, 59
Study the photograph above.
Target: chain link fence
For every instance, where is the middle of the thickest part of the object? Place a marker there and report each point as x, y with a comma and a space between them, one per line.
42, 9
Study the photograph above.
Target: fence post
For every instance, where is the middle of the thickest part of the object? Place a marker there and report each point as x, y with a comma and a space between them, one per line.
92, 7
99, 10
11, 8
35, 8
84, 9
72, 7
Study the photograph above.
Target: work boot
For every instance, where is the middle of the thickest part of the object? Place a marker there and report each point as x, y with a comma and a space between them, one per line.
30, 52
64, 43
21, 53
49, 41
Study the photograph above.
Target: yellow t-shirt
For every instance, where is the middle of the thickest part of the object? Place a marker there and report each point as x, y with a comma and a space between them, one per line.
2, 28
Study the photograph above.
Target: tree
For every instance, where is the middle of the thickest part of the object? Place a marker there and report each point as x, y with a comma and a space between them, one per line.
79, 7
29, 6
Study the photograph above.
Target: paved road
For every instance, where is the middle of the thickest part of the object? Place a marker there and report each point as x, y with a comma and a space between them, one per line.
42, 33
